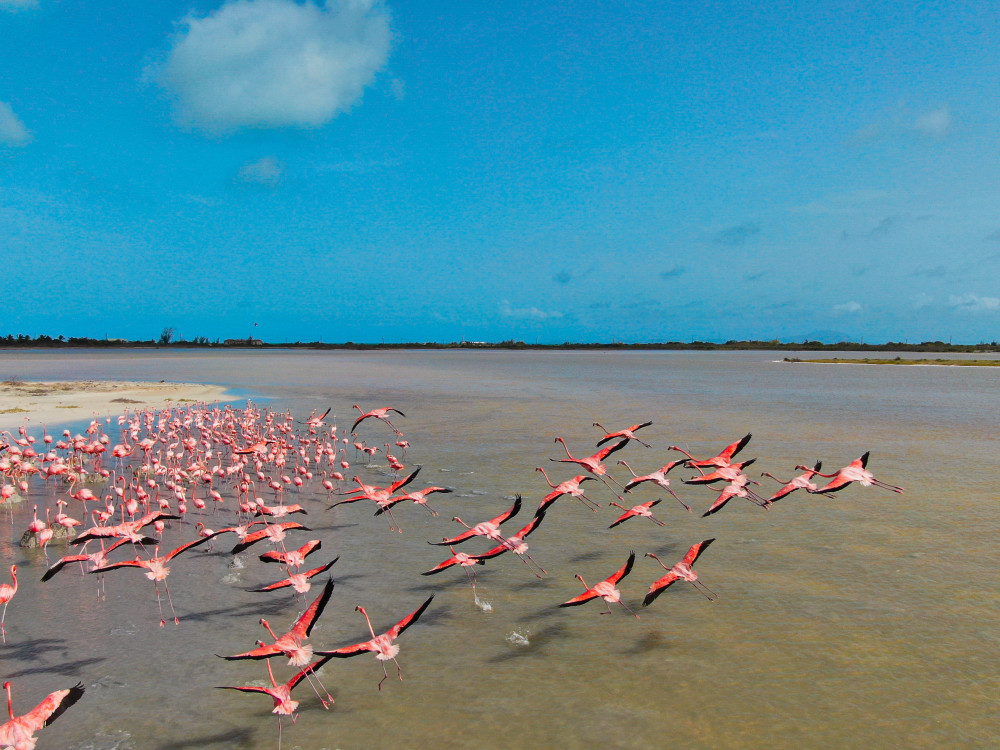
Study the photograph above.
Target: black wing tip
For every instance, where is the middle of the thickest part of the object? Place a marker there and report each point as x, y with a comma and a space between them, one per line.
864, 459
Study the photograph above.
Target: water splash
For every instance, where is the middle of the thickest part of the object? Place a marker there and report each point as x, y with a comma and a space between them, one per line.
518, 639
484, 605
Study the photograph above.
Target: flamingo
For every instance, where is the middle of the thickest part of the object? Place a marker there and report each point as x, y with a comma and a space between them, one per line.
382, 414
459, 558
856, 471
678, 571
274, 531
7, 592
294, 559
723, 459
298, 581
593, 463
570, 487
419, 497
628, 433
156, 571
642, 509
280, 694
490, 529
658, 477
19, 731
381, 645
606, 589
723, 473
517, 545
801, 482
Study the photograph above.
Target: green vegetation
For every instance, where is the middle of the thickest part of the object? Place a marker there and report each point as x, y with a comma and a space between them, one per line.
167, 340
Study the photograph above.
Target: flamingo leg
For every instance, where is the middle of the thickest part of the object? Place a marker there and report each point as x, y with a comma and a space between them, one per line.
159, 604
589, 503
711, 595
626, 607
176, 620
3, 629
686, 506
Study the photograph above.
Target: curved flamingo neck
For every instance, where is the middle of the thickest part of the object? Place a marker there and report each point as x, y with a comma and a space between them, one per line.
10, 703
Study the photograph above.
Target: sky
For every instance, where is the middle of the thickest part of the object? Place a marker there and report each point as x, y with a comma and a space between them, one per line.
400, 171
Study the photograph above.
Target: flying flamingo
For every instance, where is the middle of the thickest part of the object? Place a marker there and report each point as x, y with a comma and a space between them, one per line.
628, 433
490, 529
606, 589
19, 731
419, 497
642, 509
382, 414
593, 463
723, 473
801, 482
658, 477
459, 558
723, 459
678, 571
381, 645
274, 531
856, 471
517, 545
7, 592
570, 487
280, 694
298, 581
295, 558
156, 571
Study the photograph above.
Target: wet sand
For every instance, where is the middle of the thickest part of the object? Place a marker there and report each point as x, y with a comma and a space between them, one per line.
54, 403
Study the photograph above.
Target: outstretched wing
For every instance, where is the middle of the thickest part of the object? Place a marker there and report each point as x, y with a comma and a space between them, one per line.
695, 552
624, 570
510, 513
732, 450
404, 481
586, 596
395, 631
184, 547
658, 587
62, 563
605, 452
307, 619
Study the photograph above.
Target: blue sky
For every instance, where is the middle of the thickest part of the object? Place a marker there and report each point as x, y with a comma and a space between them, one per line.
417, 171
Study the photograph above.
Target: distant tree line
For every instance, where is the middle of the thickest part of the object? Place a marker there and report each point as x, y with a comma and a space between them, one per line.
167, 340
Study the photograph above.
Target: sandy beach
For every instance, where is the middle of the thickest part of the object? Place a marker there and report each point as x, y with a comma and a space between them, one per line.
55, 403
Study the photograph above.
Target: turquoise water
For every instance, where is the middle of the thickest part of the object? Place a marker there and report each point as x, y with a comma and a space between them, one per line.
865, 619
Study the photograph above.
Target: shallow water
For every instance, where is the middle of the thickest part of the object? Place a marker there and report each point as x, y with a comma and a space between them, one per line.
870, 618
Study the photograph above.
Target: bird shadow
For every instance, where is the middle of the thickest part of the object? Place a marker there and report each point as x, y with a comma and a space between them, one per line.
536, 642
64, 668
586, 556
33, 650
238, 737
651, 641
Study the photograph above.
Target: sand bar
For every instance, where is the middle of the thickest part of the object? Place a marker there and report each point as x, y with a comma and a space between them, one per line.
56, 403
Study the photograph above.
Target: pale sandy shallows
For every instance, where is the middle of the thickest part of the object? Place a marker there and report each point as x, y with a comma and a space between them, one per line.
54, 404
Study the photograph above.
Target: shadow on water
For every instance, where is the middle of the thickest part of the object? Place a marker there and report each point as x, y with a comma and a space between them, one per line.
240, 737
34, 649
537, 642
586, 556
651, 641
64, 668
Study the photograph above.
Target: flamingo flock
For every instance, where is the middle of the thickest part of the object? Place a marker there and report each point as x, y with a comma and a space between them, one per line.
170, 464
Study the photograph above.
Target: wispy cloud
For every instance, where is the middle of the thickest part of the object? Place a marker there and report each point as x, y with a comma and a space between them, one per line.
921, 300
274, 63
527, 313
934, 124
737, 235
848, 308
973, 303
265, 171
16, 5
673, 272
885, 227
12, 130
930, 273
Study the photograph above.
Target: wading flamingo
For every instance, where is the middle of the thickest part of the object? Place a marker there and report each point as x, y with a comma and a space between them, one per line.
7, 592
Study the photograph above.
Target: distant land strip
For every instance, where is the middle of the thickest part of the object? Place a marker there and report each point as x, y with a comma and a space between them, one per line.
901, 361
201, 342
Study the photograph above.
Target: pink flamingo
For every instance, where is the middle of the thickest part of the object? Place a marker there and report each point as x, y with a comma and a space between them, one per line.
382, 414
7, 592
801, 482
642, 509
856, 471
628, 433
677, 572
723, 459
570, 487
593, 463
606, 589
298, 581
658, 477
516, 544
381, 645
295, 558
490, 529
19, 732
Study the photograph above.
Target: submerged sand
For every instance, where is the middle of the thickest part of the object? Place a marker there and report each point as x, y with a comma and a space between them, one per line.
55, 403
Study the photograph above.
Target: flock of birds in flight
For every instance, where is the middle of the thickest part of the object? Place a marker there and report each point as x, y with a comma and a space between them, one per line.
173, 462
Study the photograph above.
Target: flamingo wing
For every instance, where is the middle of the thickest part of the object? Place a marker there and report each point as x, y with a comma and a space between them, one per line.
304, 625
261, 652
122, 564
189, 545
605, 452
622, 518
306, 670
404, 481
861, 461
586, 596
52, 707
397, 629
62, 563
658, 587
695, 552
467, 534
837, 483
720, 502
510, 513
348, 651
321, 568
623, 571
732, 450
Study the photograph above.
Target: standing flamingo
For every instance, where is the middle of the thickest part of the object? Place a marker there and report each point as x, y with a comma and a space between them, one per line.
19, 732
677, 572
381, 645
606, 589
7, 592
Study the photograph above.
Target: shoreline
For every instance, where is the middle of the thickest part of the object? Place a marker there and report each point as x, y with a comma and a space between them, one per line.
897, 361
55, 403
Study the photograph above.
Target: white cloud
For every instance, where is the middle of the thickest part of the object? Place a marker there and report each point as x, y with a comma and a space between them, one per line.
12, 130
935, 123
527, 313
973, 303
275, 63
265, 171
848, 308
921, 300
16, 5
